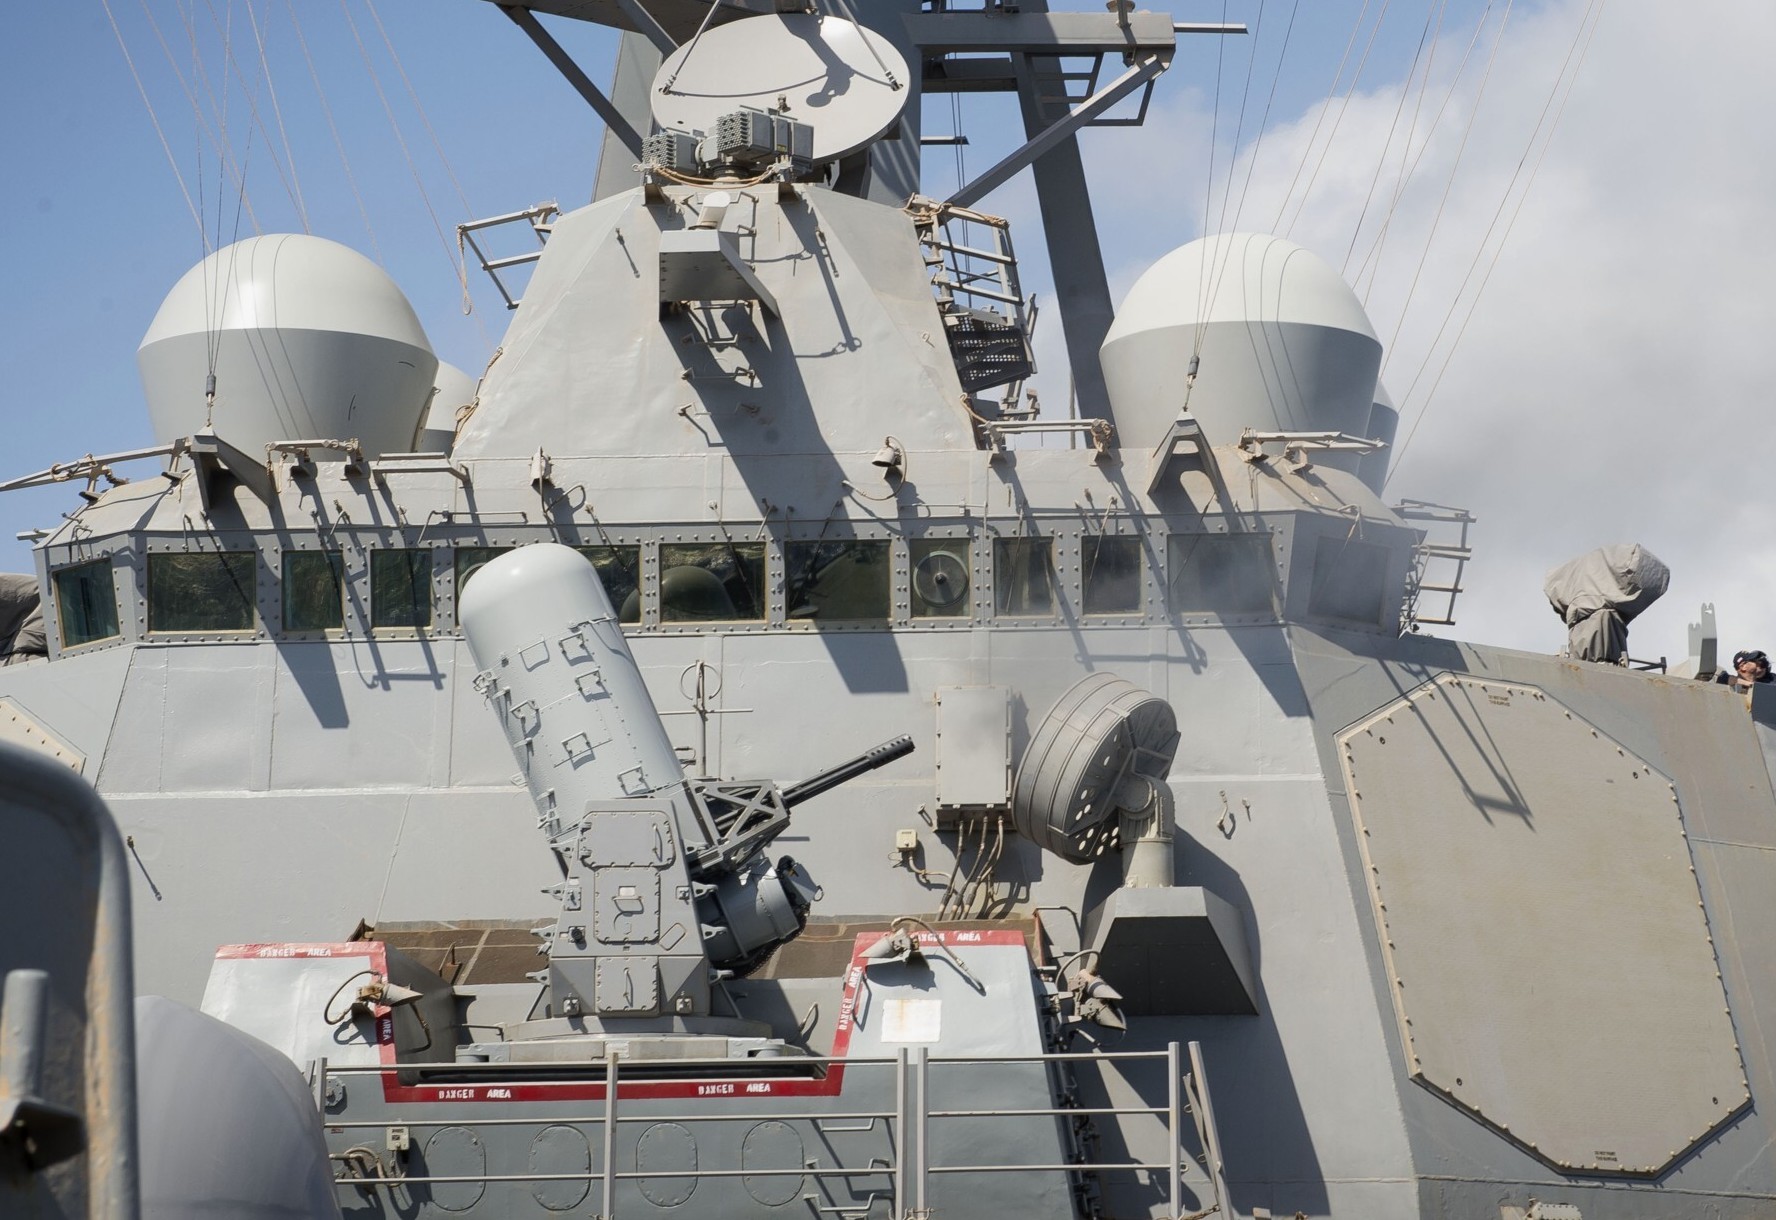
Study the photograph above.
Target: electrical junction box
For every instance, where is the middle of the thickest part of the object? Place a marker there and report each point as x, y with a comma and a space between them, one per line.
973, 752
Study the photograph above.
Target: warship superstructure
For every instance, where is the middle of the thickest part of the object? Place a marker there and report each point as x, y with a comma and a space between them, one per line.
717, 763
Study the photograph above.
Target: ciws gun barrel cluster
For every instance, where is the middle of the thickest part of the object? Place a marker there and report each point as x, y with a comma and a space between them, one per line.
845, 772
666, 886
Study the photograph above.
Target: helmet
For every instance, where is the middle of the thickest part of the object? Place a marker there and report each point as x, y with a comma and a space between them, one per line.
1751, 654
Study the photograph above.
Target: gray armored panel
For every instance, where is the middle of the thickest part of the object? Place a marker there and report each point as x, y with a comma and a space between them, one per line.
1694, 735
1551, 964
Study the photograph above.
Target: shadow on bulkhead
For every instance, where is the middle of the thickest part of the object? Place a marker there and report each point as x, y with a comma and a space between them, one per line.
1252, 1084
759, 439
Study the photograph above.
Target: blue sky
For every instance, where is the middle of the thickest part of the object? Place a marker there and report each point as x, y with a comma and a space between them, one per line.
1593, 397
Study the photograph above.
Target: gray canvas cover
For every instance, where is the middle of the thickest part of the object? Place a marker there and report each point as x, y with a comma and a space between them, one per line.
1624, 577
21, 619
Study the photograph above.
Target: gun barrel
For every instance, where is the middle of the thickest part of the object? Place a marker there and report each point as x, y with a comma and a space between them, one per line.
831, 778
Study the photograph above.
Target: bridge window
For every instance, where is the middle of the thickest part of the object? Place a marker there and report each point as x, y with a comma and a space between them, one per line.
401, 588
1023, 581
205, 591
712, 582
1111, 570
619, 569
940, 577
1222, 573
1349, 580
86, 603
837, 581
314, 591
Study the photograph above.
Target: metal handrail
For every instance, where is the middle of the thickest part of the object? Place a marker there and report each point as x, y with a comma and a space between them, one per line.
909, 1172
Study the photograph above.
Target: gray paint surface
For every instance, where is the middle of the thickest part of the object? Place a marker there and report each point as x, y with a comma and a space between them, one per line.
281, 786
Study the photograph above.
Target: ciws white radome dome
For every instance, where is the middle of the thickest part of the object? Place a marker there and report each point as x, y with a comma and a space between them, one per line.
1282, 344
309, 340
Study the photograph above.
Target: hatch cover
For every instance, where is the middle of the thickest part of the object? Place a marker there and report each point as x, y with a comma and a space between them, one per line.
1549, 957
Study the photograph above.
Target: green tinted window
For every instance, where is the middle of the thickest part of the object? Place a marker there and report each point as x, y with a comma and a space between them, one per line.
837, 581
712, 582
469, 560
1022, 580
941, 577
1111, 571
401, 588
204, 591
619, 569
86, 603
314, 591
1222, 573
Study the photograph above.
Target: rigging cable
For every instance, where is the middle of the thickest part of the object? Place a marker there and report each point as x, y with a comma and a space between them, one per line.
1239, 127
251, 93
1581, 46
239, 206
1202, 270
1343, 109
154, 118
419, 109
277, 112
215, 307
1436, 122
1449, 183
1264, 122
333, 127
205, 127
460, 267
1408, 159
1257, 147
203, 231
1325, 106
1424, 36
1224, 247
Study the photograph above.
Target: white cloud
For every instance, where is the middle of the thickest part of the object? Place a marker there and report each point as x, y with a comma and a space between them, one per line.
1611, 384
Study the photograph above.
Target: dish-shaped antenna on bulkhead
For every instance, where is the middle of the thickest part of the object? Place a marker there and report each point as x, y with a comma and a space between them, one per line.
847, 83
1100, 751
941, 579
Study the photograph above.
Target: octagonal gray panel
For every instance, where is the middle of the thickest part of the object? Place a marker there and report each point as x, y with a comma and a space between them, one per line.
1550, 961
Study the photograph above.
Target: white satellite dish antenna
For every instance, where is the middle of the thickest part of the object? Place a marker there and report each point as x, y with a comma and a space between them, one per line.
847, 83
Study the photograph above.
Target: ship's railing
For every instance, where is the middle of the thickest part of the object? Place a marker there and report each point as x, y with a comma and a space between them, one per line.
1450, 550
905, 1176
540, 219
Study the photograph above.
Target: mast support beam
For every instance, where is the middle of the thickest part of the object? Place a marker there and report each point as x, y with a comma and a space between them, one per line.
644, 23
613, 118
1141, 73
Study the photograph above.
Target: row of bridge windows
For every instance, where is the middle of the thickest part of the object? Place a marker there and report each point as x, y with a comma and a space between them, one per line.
839, 581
